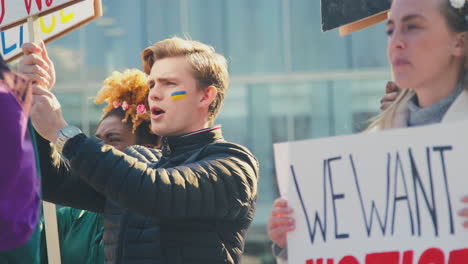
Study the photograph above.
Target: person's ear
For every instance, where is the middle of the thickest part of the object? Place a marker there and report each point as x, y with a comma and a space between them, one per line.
209, 94
460, 42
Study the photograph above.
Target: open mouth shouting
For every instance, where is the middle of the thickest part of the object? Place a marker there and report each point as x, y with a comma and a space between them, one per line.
157, 113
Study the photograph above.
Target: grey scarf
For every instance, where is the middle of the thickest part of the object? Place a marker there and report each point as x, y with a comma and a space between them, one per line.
433, 114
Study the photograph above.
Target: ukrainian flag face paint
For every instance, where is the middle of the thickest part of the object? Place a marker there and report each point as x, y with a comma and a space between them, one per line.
179, 95
175, 101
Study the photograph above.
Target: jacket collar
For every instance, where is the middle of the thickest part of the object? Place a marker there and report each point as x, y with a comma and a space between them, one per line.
190, 141
458, 111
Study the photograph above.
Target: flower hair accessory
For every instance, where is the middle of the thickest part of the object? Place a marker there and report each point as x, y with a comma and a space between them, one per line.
125, 106
116, 104
141, 109
457, 3
127, 91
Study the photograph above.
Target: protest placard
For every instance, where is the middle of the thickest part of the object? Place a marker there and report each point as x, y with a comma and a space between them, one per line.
14, 12
351, 16
382, 198
51, 27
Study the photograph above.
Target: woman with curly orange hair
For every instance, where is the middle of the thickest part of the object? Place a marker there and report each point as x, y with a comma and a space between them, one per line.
125, 122
127, 110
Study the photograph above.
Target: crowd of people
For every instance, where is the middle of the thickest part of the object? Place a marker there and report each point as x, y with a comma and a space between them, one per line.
158, 183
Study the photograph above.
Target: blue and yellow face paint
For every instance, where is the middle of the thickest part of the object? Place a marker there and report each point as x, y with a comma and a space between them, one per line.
179, 95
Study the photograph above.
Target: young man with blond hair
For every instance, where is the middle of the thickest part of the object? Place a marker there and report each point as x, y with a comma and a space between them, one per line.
190, 202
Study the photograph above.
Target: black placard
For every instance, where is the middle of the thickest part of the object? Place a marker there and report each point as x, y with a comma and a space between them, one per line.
336, 13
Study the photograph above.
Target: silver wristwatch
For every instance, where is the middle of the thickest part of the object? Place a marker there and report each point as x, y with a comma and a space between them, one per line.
64, 135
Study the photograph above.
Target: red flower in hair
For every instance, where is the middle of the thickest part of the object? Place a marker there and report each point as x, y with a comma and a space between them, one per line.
116, 104
125, 105
141, 109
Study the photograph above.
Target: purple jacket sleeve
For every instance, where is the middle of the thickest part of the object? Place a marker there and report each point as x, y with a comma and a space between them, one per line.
19, 185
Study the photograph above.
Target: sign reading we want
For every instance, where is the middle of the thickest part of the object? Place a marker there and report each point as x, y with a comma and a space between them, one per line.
382, 198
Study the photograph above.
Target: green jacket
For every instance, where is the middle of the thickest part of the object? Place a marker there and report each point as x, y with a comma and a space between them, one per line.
80, 236
26, 254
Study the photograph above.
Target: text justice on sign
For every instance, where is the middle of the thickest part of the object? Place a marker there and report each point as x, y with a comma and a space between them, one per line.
429, 256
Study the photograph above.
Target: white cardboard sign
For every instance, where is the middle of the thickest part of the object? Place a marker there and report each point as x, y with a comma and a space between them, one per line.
13, 11
383, 198
51, 26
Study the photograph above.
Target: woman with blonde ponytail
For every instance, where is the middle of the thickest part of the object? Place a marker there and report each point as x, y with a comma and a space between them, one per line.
427, 43
427, 50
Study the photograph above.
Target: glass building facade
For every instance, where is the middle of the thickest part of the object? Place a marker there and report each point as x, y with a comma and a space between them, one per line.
289, 81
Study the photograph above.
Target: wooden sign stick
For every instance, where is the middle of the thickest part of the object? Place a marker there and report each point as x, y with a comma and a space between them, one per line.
364, 23
50, 210
51, 232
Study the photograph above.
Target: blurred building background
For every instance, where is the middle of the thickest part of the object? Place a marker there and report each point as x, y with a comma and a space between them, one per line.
289, 81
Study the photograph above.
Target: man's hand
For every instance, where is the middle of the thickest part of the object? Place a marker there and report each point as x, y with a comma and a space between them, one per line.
37, 66
46, 114
391, 93
280, 222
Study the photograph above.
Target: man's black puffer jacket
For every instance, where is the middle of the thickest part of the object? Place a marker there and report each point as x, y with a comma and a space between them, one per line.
196, 196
